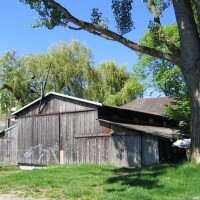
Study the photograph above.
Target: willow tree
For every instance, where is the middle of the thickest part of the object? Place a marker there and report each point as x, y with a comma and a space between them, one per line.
187, 57
66, 69
115, 86
16, 82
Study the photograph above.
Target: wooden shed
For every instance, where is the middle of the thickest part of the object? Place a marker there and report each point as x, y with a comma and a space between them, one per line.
64, 130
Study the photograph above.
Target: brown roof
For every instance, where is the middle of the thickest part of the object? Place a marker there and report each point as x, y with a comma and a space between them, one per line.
150, 105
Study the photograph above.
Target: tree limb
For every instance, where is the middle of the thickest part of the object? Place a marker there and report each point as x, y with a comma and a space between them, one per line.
170, 45
110, 35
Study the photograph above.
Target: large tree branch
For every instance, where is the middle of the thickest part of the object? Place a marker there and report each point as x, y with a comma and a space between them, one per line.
170, 45
108, 34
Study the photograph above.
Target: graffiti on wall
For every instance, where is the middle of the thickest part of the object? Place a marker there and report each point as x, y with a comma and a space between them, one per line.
44, 153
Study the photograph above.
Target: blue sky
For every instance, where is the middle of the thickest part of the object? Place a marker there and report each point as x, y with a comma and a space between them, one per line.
16, 34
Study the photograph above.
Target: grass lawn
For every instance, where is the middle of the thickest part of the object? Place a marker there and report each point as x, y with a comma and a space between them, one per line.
102, 182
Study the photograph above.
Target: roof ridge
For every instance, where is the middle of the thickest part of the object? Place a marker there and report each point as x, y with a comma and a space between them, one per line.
57, 94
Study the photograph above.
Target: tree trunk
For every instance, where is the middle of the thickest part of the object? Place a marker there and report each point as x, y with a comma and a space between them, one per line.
190, 54
193, 84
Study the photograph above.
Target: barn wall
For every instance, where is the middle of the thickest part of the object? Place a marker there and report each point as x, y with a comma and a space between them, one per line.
150, 151
38, 141
8, 147
86, 140
72, 127
41, 137
82, 138
127, 147
115, 150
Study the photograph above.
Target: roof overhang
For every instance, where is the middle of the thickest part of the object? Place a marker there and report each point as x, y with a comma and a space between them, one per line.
163, 132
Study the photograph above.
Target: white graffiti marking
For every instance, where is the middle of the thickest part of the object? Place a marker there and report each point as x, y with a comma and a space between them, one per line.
43, 153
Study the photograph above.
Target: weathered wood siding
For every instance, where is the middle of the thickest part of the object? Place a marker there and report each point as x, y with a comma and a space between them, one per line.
85, 140
38, 141
82, 138
74, 125
57, 104
115, 150
8, 147
150, 151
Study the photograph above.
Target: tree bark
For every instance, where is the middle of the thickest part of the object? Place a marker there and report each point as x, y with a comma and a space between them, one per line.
190, 52
193, 85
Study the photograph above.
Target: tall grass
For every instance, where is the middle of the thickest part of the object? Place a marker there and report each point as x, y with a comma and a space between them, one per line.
101, 182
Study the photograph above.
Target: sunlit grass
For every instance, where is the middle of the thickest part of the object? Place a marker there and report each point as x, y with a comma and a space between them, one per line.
104, 182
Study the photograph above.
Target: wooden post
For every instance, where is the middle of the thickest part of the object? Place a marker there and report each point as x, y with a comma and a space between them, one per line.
61, 157
61, 152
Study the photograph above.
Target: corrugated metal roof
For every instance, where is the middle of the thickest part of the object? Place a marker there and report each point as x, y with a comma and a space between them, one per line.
150, 105
153, 130
60, 95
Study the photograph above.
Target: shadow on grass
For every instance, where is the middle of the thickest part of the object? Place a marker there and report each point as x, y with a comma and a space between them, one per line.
145, 177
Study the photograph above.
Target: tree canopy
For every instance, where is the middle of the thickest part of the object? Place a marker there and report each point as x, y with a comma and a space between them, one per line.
116, 86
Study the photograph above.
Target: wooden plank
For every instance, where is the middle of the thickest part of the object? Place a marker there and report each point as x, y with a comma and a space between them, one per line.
8, 147
25, 140
150, 152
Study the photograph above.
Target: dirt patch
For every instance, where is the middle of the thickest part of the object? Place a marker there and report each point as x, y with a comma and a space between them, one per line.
13, 197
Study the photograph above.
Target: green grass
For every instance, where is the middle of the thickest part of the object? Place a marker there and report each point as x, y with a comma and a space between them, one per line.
166, 182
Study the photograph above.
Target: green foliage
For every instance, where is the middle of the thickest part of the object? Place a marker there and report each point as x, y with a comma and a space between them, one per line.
71, 72
181, 113
96, 18
116, 86
196, 17
131, 90
49, 15
122, 12
165, 77
161, 5
171, 31
15, 82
